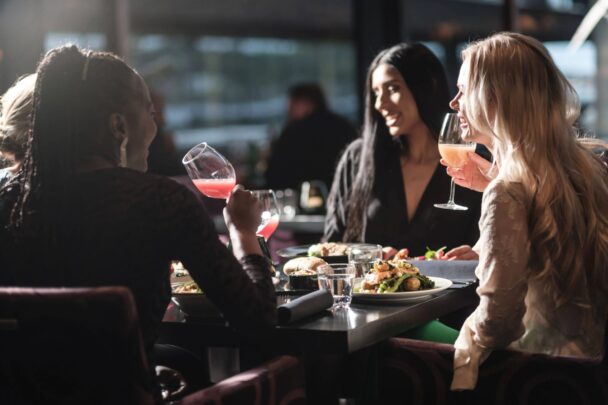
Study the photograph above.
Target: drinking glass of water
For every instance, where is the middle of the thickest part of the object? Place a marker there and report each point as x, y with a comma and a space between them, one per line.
363, 256
337, 279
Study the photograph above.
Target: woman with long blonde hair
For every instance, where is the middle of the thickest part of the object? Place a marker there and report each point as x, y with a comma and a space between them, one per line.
15, 114
543, 247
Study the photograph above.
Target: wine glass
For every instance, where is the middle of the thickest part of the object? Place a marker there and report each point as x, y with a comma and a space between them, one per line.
454, 151
211, 173
270, 212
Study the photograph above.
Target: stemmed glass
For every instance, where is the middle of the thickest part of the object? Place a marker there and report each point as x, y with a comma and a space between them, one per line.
454, 151
211, 173
270, 213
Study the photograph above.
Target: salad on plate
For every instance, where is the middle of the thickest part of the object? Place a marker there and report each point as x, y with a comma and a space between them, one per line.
390, 276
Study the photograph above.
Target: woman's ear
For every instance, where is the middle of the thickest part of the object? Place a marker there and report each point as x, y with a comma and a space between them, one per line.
118, 126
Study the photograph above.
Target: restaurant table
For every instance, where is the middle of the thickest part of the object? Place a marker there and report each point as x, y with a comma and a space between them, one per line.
331, 339
340, 332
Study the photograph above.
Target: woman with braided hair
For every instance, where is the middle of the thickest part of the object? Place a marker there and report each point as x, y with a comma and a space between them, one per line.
82, 212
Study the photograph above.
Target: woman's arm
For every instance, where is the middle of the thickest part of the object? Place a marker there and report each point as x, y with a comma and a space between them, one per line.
502, 274
241, 289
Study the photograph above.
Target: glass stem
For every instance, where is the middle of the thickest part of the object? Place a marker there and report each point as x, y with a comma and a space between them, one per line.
452, 188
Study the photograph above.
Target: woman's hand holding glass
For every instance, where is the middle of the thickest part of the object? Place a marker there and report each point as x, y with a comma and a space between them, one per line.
242, 215
475, 174
453, 150
243, 211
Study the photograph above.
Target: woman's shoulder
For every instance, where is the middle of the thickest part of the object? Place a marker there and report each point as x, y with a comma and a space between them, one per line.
500, 192
131, 178
137, 187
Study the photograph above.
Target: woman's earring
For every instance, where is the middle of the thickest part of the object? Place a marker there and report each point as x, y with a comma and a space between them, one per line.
123, 152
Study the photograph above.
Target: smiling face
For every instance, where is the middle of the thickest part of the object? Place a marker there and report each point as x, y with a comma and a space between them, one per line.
459, 104
394, 101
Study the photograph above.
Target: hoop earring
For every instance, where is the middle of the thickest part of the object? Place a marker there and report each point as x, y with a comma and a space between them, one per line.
123, 152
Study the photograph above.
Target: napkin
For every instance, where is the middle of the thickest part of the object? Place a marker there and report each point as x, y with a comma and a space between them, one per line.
305, 306
455, 270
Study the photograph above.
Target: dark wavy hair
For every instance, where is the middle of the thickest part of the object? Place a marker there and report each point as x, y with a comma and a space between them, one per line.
76, 92
425, 78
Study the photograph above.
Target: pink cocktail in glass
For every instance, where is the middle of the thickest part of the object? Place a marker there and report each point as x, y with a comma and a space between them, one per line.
215, 188
270, 213
211, 173
269, 227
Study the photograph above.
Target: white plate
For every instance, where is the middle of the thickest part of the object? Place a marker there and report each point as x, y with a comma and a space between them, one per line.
405, 296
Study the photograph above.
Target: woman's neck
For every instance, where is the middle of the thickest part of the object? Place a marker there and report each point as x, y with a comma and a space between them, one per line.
421, 146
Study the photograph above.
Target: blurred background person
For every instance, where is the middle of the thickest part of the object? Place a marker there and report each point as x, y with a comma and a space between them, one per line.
311, 142
163, 158
15, 110
387, 182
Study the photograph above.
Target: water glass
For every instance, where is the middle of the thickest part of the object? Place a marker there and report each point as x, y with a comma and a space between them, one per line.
288, 203
337, 279
363, 256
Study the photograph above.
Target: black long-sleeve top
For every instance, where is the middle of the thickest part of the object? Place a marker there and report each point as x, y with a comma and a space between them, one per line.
308, 149
386, 214
124, 228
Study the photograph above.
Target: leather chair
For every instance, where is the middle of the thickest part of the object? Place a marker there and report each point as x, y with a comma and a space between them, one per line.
71, 346
419, 372
277, 382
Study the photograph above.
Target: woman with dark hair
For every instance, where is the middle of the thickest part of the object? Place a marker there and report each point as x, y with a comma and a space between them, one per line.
81, 212
387, 182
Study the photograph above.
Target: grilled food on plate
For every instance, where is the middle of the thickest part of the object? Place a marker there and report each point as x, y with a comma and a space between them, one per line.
389, 276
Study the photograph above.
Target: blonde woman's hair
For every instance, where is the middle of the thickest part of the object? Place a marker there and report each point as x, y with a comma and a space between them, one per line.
517, 95
15, 116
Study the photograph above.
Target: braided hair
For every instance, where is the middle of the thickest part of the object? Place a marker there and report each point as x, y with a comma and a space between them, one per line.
76, 92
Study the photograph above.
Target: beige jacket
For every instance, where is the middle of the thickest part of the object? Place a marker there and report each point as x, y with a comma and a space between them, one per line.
513, 311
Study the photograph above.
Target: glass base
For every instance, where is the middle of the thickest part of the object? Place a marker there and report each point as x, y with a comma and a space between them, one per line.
448, 206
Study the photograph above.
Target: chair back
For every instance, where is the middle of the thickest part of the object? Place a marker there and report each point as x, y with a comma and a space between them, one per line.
424, 371
71, 346
277, 382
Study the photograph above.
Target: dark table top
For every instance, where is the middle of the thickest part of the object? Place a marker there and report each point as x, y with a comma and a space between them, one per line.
343, 331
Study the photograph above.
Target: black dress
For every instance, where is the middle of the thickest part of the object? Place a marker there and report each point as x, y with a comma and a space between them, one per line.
386, 215
123, 228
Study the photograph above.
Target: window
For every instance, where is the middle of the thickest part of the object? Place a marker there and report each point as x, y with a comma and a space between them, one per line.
580, 68
231, 91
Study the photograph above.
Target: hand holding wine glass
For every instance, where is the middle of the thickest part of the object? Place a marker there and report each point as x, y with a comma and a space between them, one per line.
211, 173
475, 174
454, 151
243, 211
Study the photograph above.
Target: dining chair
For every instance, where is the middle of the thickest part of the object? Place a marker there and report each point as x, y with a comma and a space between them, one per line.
71, 346
420, 372
277, 382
